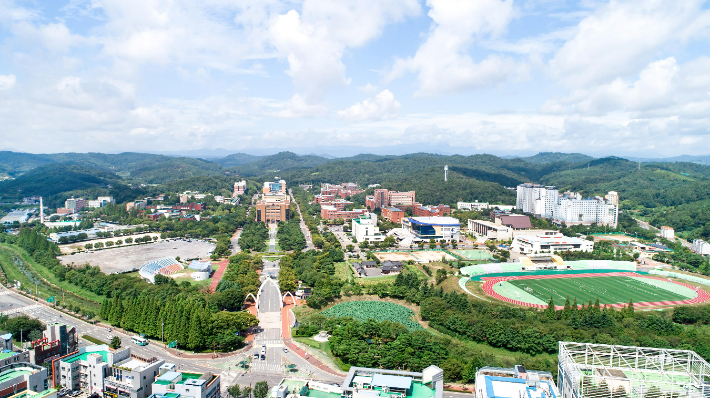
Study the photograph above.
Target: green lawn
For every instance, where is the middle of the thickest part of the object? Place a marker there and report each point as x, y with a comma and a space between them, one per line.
609, 290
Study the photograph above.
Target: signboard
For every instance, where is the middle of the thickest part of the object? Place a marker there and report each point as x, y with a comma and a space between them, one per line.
50, 300
172, 344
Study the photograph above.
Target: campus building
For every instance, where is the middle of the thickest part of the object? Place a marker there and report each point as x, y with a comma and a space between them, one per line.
75, 204
172, 384
437, 228
550, 242
569, 208
393, 214
18, 377
273, 208
101, 201
504, 227
57, 340
385, 198
239, 188
364, 228
479, 206
337, 203
342, 191
332, 213
430, 211
514, 382
277, 187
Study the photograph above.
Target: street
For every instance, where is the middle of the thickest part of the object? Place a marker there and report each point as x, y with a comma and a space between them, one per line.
304, 229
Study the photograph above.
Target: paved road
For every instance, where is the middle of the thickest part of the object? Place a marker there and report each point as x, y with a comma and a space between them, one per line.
272, 238
235, 241
270, 268
304, 229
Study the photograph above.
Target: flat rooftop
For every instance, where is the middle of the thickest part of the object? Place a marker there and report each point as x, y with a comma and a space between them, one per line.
132, 364
84, 356
16, 372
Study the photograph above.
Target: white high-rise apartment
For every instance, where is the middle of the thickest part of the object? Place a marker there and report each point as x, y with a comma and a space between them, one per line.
701, 247
570, 208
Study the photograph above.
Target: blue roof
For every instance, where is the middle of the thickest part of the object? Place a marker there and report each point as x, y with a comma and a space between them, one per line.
200, 265
169, 376
398, 382
7, 336
153, 266
434, 221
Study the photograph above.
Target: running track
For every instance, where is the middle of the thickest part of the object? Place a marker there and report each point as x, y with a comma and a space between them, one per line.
490, 282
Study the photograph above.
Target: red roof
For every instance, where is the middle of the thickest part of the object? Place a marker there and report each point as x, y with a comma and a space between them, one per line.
516, 222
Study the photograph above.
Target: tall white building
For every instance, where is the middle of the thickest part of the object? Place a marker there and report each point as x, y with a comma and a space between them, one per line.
569, 208
365, 228
701, 247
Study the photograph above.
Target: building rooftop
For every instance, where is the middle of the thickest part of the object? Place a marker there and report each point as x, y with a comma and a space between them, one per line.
435, 221
84, 356
6, 354
516, 221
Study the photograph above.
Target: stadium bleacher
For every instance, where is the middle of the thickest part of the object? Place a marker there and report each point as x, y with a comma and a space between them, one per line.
151, 268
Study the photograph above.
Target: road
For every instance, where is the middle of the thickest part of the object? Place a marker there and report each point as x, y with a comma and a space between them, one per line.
235, 241
272, 238
304, 229
270, 269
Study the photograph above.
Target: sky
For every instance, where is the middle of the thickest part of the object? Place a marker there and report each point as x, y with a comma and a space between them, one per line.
476, 76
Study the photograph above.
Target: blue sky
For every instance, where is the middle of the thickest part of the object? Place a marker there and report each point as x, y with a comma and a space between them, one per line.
477, 76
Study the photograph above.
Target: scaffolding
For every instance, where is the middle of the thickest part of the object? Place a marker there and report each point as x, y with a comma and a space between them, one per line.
612, 371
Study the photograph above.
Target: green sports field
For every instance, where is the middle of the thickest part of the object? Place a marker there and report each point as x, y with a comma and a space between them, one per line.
609, 289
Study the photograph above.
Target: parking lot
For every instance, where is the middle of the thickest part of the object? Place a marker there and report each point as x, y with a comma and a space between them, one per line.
132, 257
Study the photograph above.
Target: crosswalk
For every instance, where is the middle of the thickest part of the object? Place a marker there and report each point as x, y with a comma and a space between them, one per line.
265, 367
4, 292
269, 343
28, 309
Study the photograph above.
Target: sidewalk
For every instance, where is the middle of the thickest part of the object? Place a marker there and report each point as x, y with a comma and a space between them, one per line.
218, 274
286, 330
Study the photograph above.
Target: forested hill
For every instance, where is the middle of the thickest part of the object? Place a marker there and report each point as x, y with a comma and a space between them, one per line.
280, 162
17, 163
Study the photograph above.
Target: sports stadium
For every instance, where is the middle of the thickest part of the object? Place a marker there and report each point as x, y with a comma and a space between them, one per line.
537, 279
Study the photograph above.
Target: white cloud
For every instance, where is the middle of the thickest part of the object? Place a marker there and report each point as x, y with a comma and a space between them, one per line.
443, 64
298, 106
315, 40
369, 88
619, 38
7, 82
382, 106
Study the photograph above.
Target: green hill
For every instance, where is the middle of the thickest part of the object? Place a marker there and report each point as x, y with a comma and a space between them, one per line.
280, 162
175, 169
236, 159
55, 178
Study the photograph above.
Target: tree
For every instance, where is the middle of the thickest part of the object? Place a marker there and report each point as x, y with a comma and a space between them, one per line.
109, 244
432, 243
287, 280
129, 240
234, 391
115, 343
98, 245
34, 335
550, 313
119, 242
246, 391
89, 246
261, 389
349, 247
440, 275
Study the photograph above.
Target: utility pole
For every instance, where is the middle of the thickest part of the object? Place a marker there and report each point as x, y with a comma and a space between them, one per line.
162, 333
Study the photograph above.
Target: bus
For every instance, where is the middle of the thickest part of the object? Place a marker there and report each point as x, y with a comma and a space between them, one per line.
140, 340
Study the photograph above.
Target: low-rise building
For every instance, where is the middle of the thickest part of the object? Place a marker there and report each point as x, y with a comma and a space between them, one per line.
19, 377
437, 228
101, 201
364, 228
549, 243
701, 247
138, 204
332, 213
393, 214
323, 198
172, 384
430, 211
132, 377
277, 187
57, 340
514, 382
189, 207
76, 204
337, 203
472, 206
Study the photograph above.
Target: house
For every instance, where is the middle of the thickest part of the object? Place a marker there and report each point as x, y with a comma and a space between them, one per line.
392, 267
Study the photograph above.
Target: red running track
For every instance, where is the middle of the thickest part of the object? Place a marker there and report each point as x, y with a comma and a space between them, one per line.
487, 287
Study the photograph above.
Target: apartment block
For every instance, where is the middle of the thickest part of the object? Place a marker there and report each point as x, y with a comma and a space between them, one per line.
667, 232
701, 247
365, 229
568, 208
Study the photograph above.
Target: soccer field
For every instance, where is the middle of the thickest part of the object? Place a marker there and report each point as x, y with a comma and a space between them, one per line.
609, 290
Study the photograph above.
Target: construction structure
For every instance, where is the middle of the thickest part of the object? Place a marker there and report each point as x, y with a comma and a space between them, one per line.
605, 371
57, 340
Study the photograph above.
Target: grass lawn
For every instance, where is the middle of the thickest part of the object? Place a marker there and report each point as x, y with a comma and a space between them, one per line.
376, 279
323, 351
93, 339
343, 271
18, 265
609, 290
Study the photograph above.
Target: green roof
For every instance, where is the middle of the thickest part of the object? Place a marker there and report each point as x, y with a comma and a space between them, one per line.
104, 355
12, 374
188, 376
172, 395
163, 382
4, 355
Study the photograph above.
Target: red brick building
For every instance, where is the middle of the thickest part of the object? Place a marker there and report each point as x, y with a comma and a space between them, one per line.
190, 207
385, 198
332, 213
430, 211
323, 198
393, 214
338, 203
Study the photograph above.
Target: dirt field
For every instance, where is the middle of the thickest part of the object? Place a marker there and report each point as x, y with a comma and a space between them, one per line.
618, 238
132, 257
397, 256
433, 256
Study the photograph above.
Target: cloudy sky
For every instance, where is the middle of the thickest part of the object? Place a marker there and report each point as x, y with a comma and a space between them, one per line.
504, 77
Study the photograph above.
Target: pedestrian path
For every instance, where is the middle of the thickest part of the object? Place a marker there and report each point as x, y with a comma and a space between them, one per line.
218, 274
4, 292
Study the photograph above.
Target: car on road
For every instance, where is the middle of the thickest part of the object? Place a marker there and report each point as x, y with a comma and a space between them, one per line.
256, 355
286, 350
